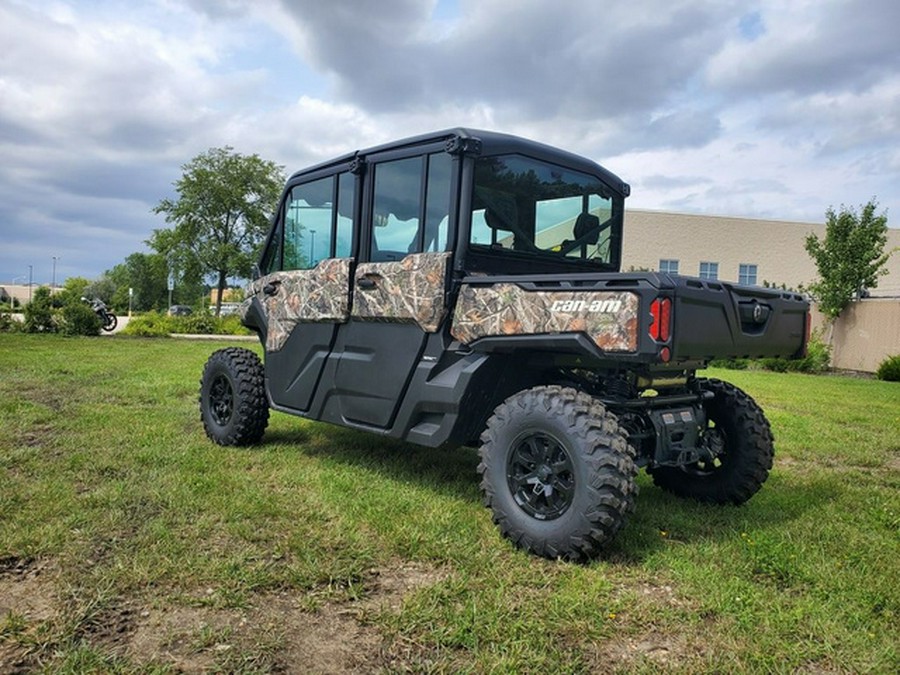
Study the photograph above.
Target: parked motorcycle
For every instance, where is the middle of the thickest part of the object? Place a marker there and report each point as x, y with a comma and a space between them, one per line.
110, 321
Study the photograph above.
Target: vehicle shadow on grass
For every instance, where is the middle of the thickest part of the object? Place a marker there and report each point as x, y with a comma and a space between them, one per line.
448, 471
663, 520
660, 520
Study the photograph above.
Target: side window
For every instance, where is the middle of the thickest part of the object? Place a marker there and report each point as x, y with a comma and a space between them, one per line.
343, 241
309, 228
397, 207
437, 202
307, 224
401, 223
537, 208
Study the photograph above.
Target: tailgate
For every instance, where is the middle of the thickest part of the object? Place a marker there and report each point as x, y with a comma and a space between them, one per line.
715, 319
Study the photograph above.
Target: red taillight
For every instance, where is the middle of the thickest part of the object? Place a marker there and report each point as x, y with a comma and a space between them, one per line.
661, 324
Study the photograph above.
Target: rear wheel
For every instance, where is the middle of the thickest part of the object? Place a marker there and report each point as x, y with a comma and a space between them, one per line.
741, 450
557, 472
233, 405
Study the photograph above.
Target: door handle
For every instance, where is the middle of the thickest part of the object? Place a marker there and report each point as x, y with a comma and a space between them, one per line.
365, 283
271, 288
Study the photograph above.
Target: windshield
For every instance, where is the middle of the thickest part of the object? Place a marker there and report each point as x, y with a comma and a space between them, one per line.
532, 207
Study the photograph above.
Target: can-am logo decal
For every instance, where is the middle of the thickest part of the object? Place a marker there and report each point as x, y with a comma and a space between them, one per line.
599, 306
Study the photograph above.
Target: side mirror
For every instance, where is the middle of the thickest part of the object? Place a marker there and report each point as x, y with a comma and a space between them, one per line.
255, 272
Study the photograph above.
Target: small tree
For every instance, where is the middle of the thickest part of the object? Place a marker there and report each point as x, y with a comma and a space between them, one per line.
221, 216
102, 289
850, 258
39, 313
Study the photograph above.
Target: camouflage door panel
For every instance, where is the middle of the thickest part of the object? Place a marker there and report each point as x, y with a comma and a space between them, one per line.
610, 319
317, 295
406, 291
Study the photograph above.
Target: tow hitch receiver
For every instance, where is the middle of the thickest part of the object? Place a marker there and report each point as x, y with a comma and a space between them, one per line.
678, 433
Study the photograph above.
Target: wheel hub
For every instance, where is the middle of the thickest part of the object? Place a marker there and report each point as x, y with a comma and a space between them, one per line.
540, 476
221, 400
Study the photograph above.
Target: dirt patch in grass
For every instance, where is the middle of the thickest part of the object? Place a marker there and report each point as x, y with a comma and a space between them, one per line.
53, 395
648, 633
653, 648
26, 589
286, 631
27, 599
278, 632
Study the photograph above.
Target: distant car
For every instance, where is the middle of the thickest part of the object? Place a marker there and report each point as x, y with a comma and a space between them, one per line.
226, 308
180, 310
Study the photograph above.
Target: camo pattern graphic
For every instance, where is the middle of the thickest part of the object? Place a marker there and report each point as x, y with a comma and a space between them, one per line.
407, 291
610, 319
315, 295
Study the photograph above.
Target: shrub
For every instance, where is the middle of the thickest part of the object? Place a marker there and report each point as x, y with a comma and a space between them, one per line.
818, 355
730, 364
79, 319
38, 313
231, 325
9, 324
202, 323
151, 324
889, 370
817, 360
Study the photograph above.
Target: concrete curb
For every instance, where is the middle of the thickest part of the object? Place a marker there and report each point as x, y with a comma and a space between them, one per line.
203, 336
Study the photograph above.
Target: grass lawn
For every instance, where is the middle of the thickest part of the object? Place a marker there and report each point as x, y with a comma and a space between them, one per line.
129, 543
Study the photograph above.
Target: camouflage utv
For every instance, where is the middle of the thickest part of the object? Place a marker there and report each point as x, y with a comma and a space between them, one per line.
463, 288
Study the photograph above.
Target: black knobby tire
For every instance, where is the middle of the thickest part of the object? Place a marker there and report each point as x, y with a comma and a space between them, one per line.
233, 405
747, 451
557, 472
110, 322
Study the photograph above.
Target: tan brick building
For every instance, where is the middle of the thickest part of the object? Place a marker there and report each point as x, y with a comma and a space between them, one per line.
734, 249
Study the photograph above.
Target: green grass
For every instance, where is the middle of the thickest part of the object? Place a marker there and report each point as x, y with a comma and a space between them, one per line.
129, 543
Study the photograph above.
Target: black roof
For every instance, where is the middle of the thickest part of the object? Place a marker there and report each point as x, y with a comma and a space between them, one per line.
486, 143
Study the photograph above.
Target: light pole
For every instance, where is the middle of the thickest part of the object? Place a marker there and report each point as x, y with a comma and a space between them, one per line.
30, 270
53, 282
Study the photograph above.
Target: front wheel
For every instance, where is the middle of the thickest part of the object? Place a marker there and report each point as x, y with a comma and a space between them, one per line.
741, 438
557, 472
110, 321
233, 404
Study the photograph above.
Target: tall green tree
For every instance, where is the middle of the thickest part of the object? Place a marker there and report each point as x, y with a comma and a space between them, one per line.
145, 275
850, 258
221, 215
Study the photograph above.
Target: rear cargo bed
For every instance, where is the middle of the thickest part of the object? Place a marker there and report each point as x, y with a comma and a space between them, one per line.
716, 319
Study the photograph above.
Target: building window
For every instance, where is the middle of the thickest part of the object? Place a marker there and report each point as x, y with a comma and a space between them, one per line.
668, 266
709, 270
747, 274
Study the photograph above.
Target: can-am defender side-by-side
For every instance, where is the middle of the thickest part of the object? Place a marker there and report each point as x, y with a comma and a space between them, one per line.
463, 288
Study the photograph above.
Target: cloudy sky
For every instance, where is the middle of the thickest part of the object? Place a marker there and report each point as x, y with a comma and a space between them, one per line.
759, 108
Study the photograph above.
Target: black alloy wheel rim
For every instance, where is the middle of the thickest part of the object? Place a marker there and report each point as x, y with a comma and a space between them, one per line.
221, 400
540, 476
